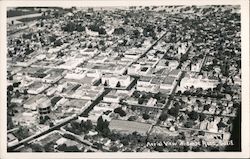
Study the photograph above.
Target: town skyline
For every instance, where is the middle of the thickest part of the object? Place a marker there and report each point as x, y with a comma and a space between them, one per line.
140, 79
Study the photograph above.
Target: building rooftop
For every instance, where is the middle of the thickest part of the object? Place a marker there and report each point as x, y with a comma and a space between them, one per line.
37, 98
174, 72
11, 137
169, 80
156, 80
77, 103
145, 78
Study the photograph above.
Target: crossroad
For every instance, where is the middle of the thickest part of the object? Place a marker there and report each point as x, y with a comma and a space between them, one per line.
75, 116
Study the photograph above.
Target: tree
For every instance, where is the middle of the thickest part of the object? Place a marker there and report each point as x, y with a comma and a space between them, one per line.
174, 111
201, 133
46, 117
17, 93
88, 125
69, 136
125, 141
52, 38
118, 84
10, 124
145, 116
225, 69
105, 83
102, 127
106, 131
80, 28
189, 124
75, 127
193, 115
36, 147
10, 77
99, 125
140, 100
119, 31
62, 147
51, 124
10, 88
114, 148
149, 31
11, 107
163, 117
202, 117
120, 111
159, 29
136, 33
98, 145
158, 95
133, 108
101, 42
49, 147
206, 107
15, 84
69, 27
159, 148
221, 124
102, 31
167, 63
41, 120
132, 118
136, 94
72, 149
162, 100
22, 133
58, 42
18, 42
178, 93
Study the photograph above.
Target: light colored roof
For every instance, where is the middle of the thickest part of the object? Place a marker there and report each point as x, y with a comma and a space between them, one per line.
33, 99
156, 80
11, 137
145, 78
76, 103
45, 103
169, 80
175, 72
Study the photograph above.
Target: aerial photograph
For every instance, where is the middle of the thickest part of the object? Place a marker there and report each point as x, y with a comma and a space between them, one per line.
124, 79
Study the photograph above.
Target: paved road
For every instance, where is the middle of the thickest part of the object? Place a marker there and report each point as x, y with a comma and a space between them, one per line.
30, 138
176, 82
75, 116
57, 126
150, 48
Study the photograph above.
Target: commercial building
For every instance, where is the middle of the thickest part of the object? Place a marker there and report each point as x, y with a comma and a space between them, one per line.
34, 101
114, 81
167, 83
44, 108
198, 82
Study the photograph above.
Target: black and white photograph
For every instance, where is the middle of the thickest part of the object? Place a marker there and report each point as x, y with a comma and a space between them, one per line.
153, 79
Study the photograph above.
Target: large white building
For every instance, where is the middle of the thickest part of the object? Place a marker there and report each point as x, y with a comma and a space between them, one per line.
113, 81
149, 84
167, 83
33, 102
198, 82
